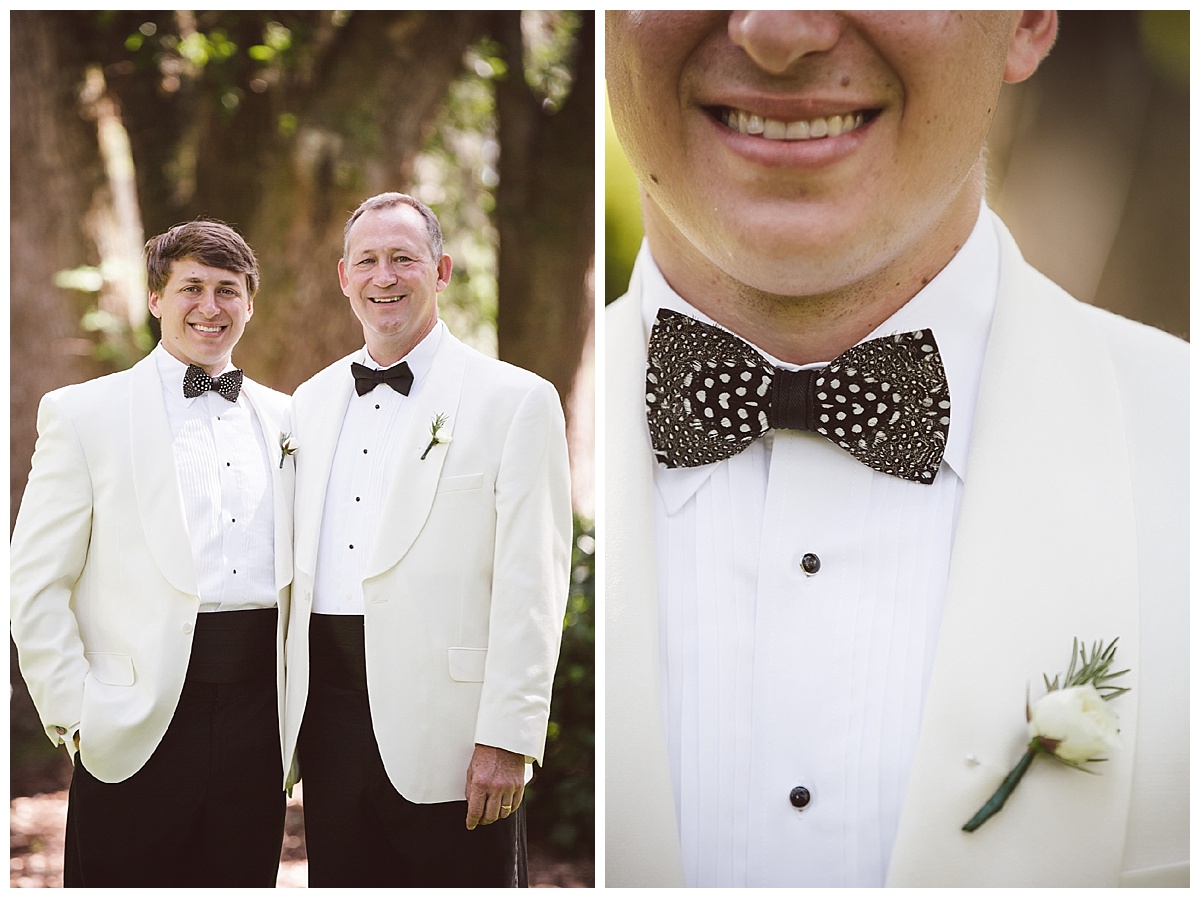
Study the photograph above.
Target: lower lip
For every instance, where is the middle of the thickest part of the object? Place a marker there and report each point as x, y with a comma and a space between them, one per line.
815, 153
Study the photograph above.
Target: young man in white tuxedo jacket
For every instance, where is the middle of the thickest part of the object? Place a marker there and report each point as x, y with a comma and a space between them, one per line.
151, 564
432, 543
818, 656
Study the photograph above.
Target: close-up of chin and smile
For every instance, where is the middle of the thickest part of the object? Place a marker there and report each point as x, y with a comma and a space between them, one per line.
870, 473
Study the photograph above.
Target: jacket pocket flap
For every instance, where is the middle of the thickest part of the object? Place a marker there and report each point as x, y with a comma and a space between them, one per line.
111, 668
466, 665
465, 482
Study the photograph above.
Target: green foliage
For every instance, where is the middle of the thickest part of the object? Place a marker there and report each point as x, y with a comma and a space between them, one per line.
563, 794
1091, 668
457, 173
549, 44
1165, 37
622, 215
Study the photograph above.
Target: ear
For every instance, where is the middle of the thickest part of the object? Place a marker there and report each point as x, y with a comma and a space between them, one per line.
153, 305
249, 307
444, 267
342, 277
1031, 40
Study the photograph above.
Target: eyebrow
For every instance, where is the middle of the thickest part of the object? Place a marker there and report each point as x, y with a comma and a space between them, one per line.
223, 281
408, 251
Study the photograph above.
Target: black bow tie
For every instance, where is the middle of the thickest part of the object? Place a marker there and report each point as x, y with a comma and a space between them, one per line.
196, 382
398, 377
709, 395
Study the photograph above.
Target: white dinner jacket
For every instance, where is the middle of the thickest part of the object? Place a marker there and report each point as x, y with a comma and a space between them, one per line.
104, 586
464, 600
1074, 523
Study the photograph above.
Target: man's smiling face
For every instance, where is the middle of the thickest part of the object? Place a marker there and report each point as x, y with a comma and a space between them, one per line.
392, 280
204, 311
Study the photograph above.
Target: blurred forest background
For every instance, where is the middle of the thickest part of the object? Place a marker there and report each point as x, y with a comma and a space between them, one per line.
1088, 167
280, 123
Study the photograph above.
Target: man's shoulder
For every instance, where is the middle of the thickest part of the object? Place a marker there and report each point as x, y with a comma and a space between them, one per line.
90, 397
324, 377
497, 375
1133, 345
1145, 358
274, 400
1136, 344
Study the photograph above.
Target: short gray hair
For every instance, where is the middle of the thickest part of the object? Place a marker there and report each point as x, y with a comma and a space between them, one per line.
433, 227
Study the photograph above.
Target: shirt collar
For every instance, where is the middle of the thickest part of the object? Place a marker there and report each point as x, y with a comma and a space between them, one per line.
419, 358
957, 305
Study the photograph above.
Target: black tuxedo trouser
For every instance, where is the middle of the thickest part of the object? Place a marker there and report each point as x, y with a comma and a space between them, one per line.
206, 809
359, 831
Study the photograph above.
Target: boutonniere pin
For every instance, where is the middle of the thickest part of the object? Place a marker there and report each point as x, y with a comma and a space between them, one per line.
286, 447
1071, 723
438, 433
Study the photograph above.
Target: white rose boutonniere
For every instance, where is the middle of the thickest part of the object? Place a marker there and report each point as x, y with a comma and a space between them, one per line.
286, 447
438, 433
1072, 723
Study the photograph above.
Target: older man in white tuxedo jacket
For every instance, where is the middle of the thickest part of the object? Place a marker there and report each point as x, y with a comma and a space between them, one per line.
816, 671
433, 533
151, 565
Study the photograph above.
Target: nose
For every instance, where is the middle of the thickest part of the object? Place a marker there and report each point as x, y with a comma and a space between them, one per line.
208, 305
777, 39
385, 273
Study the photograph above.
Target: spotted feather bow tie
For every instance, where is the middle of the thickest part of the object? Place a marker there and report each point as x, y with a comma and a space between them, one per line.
709, 395
197, 382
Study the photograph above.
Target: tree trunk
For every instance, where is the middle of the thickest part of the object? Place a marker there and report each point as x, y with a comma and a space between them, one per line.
545, 213
56, 170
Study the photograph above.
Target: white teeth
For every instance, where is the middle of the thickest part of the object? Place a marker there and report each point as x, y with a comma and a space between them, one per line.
206, 329
773, 129
797, 130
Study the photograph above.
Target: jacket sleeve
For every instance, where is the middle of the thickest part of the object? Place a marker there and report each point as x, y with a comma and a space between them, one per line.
530, 577
48, 550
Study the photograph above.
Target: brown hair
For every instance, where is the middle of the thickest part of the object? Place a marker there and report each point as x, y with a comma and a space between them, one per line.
433, 227
209, 242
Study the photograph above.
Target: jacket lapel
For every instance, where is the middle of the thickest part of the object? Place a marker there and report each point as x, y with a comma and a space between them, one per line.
316, 445
1045, 551
411, 495
644, 834
282, 481
155, 482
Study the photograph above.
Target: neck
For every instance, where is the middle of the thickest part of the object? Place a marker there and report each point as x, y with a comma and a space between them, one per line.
387, 352
212, 370
809, 326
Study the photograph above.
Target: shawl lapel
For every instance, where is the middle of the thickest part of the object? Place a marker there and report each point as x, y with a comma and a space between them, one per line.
411, 495
314, 456
282, 483
641, 829
155, 481
1045, 551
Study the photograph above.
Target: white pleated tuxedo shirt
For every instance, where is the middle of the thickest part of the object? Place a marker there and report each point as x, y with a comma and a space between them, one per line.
361, 478
776, 678
224, 475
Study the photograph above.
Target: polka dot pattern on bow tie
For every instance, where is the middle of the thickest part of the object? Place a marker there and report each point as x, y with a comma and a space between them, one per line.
693, 371
886, 402
709, 395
